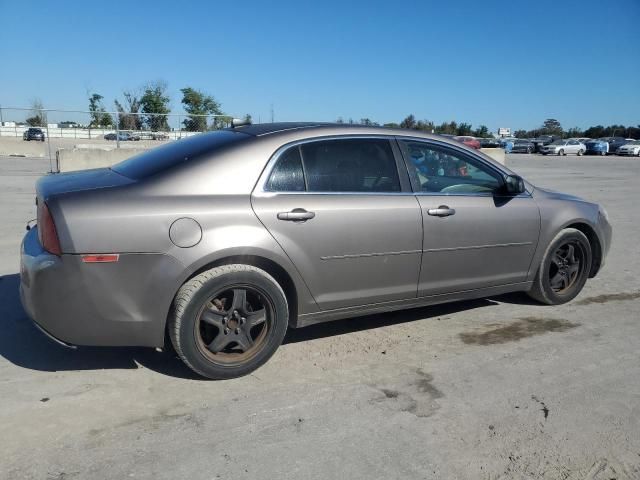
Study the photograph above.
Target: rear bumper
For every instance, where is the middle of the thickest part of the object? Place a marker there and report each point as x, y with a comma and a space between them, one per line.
116, 304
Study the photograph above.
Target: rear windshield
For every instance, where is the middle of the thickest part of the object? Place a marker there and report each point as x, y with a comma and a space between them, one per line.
176, 153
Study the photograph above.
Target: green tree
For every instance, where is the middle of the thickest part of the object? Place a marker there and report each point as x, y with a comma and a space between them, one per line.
574, 132
367, 121
247, 118
197, 105
482, 132
408, 122
154, 104
448, 128
425, 126
99, 117
464, 129
521, 134
551, 126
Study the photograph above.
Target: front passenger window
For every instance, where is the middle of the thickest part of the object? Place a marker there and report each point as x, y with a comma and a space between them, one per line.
438, 169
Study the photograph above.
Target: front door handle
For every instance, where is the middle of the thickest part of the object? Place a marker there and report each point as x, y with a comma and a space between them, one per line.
296, 215
441, 211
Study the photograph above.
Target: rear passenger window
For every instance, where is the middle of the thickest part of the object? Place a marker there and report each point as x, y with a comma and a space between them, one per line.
287, 175
350, 165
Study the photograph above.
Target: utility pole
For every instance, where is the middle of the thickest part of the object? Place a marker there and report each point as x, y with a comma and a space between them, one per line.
272, 113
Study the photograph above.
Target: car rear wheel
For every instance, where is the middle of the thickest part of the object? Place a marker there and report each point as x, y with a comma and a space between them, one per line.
228, 321
580, 152
564, 269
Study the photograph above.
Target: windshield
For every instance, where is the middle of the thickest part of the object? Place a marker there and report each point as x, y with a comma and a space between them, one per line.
175, 153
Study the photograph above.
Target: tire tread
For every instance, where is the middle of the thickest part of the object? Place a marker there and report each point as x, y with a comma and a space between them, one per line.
186, 293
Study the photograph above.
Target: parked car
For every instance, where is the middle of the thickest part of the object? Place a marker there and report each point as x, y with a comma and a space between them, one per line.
523, 146
468, 141
614, 143
33, 134
543, 140
226, 239
159, 136
631, 148
564, 147
489, 143
122, 136
597, 147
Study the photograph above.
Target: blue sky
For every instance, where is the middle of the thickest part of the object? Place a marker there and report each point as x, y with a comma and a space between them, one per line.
485, 62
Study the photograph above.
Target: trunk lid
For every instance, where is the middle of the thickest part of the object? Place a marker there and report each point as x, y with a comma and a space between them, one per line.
60, 183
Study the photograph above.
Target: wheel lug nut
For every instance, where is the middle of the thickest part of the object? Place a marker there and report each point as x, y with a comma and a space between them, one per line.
226, 331
237, 331
224, 320
242, 320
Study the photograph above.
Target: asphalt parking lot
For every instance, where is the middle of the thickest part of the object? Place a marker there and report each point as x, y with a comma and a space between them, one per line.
496, 388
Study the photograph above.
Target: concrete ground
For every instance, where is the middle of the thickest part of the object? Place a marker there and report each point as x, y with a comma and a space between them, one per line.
496, 388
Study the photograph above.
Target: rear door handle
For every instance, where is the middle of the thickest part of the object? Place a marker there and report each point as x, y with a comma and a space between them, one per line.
441, 211
296, 215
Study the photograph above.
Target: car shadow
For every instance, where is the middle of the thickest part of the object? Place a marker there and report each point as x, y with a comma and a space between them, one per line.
370, 322
24, 345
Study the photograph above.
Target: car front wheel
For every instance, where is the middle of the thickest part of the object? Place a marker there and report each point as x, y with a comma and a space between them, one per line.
564, 269
228, 321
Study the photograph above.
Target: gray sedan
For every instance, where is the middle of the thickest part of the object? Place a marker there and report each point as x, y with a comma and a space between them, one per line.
564, 147
227, 239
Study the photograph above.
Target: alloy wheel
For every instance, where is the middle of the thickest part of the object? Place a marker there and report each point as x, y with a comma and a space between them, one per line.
566, 266
233, 324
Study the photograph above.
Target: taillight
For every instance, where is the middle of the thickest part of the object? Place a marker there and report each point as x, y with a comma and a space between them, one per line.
47, 230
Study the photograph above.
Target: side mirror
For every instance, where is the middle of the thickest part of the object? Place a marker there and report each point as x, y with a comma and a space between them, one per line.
514, 185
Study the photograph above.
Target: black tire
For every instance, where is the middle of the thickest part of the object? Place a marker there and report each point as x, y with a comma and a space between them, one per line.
546, 288
560, 152
529, 150
579, 153
209, 301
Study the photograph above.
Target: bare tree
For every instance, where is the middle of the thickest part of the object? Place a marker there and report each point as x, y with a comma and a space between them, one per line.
38, 116
127, 112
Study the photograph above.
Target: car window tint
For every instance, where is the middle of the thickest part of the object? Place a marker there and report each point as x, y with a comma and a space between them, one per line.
443, 170
350, 165
287, 175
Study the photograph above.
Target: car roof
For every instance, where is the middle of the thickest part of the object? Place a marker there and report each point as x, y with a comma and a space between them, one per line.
285, 132
327, 128
260, 129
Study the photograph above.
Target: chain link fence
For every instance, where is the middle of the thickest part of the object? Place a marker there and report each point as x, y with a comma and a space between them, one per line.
82, 124
67, 129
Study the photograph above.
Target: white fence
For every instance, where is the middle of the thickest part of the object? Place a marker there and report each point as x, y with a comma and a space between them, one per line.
89, 133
